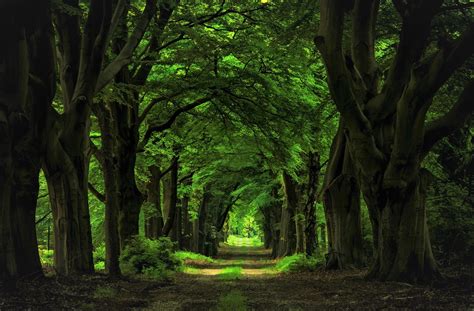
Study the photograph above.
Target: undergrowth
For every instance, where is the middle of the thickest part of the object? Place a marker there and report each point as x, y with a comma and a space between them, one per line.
184, 255
149, 258
298, 263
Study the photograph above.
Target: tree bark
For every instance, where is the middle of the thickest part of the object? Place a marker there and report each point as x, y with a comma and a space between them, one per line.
288, 238
404, 244
112, 193
311, 236
154, 220
171, 198
342, 208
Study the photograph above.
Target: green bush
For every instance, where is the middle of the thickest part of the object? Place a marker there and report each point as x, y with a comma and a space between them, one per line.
153, 258
46, 257
299, 263
99, 257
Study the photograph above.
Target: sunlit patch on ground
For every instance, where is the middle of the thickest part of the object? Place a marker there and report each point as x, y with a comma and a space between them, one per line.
235, 262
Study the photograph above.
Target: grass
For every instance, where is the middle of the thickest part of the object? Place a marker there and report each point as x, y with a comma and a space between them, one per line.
234, 240
191, 270
230, 273
183, 256
234, 301
298, 263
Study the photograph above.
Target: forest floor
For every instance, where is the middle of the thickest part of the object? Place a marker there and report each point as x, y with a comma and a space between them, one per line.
241, 278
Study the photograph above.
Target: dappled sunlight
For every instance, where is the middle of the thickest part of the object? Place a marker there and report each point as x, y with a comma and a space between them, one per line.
234, 263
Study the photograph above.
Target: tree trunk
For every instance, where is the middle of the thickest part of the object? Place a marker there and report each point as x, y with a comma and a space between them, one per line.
342, 208
311, 236
267, 226
154, 215
404, 250
131, 197
112, 193
69, 202
288, 239
171, 198
187, 224
201, 230
20, 140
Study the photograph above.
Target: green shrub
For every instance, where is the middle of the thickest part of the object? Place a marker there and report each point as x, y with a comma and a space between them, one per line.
46, 257
299, 263
99, 257
153, 258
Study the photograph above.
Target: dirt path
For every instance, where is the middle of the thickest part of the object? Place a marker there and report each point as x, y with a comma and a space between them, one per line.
242, 279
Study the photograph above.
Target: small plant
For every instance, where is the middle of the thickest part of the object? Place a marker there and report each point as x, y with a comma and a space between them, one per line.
153, 258
99, 257
299, 263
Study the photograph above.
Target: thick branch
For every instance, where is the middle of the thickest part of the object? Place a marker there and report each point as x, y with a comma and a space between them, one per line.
125, 55
416, 28
166, 125
452, 120
363, 41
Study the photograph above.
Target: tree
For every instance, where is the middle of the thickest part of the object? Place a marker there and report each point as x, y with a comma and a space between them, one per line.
385, 126
27, 89
82, 51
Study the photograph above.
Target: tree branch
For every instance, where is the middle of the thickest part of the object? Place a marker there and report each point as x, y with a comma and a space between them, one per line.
166, 125
416, 28
452, 120
125, 55
96, 193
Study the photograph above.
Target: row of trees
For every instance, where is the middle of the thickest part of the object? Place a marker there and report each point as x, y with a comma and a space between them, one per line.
174, 114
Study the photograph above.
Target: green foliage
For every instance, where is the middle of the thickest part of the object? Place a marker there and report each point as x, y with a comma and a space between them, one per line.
299, 263
230, 273
234, 240
99, 257
184, 256
46, 257
152, 258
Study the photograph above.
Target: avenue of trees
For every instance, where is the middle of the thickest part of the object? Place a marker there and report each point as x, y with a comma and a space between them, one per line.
336, 128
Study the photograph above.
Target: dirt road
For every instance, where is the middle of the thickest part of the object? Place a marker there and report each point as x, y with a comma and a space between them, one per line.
242, 279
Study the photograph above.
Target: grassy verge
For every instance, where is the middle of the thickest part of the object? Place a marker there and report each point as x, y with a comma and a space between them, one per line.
297, 263
190, 256
230, 273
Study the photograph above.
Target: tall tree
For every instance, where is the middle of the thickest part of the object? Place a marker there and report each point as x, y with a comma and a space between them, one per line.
27, 87
386, 127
